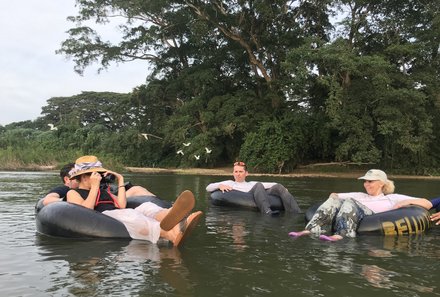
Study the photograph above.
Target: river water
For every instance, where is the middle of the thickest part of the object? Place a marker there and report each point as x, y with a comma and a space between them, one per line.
231, 253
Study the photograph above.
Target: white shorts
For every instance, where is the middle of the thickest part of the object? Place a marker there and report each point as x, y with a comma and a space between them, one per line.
140, 222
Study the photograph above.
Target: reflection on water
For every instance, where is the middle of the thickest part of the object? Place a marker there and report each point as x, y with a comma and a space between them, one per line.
383, 262
232, 253
96, 267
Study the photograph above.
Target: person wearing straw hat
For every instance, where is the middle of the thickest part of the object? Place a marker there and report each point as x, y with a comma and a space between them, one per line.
59, 193
147, 221
344, 211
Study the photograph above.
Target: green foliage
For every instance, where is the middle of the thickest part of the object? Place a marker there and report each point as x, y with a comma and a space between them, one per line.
277, 83
275, 146
21, 147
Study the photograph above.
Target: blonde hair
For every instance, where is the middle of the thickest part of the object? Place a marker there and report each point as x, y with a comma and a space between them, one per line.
388, 187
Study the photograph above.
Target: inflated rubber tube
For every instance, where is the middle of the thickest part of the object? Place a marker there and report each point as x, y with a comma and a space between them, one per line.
242, 200
65, 219
403, 221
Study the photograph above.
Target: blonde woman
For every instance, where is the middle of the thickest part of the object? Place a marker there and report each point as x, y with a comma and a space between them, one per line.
344, 211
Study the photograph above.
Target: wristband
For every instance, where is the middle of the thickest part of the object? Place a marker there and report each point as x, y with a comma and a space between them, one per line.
121, 187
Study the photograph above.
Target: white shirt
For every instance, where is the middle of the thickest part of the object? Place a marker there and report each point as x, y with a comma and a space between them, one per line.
377, 204
239, 186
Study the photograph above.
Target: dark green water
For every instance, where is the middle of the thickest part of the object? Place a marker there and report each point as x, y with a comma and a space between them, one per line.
231, 253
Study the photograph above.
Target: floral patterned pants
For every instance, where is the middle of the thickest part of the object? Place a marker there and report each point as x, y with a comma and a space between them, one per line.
341, 215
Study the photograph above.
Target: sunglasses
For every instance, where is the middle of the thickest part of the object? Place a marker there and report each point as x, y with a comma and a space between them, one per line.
239, 164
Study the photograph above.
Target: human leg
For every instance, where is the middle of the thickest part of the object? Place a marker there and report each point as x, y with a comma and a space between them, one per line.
347, 220
145, 228
169, 218
261, 199
324, 216
180, 232
138, 191
138, 226
348, 217
182, 206
288, 200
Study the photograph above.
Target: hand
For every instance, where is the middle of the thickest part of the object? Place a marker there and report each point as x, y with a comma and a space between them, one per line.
333, 195
95, 179
436, 217
118, 176
224, 188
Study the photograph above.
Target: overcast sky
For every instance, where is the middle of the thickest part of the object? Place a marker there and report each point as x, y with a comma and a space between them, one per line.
31, 72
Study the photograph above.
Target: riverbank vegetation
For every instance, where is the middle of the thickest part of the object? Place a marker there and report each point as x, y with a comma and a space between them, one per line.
278, 84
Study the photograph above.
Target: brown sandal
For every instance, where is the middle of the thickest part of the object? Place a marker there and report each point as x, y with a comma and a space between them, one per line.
186, 227
180, 209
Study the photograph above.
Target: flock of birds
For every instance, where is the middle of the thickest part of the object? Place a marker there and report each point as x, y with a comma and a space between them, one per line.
147, 135
197, 157
180, 151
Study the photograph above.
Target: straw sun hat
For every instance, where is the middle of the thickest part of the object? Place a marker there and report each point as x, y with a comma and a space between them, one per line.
86, 164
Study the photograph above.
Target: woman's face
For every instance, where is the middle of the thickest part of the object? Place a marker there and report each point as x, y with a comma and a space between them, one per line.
84, 182
373, 187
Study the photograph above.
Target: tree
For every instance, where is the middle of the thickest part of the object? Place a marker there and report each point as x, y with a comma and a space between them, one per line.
109, 109
362, 86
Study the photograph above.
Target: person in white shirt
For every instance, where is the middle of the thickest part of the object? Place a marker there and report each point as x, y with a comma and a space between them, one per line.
259, 190
344, 211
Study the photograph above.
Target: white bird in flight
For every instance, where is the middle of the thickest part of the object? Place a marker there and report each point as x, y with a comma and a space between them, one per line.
180, 152
145, 135
187, 144
52, 127
208, 151
197, 157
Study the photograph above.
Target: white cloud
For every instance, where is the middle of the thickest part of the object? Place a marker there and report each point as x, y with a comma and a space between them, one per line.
31, 72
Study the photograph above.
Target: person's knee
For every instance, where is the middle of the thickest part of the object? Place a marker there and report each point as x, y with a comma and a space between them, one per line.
333, 202
258, 187
348, 205
278, 188
138, 191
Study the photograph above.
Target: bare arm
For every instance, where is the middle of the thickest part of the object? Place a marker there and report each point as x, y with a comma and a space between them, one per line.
89, 202
121, 198
425, 203
51, 197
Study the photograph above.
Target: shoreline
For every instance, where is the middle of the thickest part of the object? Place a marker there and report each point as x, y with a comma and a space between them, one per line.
227, 171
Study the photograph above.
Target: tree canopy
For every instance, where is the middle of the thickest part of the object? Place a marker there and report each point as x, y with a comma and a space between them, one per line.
278, 83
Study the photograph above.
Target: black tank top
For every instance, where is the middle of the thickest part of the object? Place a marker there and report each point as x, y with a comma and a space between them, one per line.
104, 202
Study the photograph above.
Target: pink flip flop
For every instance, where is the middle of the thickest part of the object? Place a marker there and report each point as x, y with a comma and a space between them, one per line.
298, 234
327, 238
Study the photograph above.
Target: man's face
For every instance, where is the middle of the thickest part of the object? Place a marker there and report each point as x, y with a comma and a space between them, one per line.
71, 183
239, 173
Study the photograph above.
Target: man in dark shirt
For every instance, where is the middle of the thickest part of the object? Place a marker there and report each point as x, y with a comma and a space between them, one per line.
59, 193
